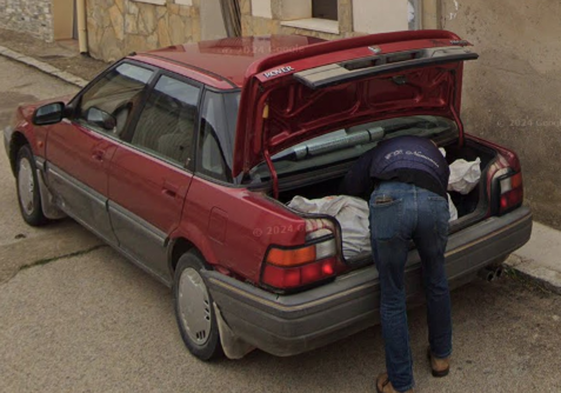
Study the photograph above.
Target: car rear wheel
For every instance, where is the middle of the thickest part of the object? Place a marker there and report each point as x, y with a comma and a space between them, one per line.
29, 197
194, 308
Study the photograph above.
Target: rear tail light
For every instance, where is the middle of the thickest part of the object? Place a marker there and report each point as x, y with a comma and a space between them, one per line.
504, 182
287, 268
511, 192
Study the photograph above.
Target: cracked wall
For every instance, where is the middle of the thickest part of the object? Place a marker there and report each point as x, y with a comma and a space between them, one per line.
511, 94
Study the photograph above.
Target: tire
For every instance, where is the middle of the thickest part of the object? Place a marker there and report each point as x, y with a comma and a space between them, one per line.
29, 197
194, 309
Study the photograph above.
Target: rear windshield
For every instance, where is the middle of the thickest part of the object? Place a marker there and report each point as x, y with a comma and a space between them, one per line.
346, 145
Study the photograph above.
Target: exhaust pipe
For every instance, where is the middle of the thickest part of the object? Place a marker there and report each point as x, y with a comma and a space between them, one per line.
498, 272
486, 274
490, 273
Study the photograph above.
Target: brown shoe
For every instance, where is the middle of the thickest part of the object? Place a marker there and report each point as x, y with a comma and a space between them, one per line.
383, 385
440, 367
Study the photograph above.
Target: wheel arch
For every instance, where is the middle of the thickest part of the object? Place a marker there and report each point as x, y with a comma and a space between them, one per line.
17, 141
179, 246
185, 238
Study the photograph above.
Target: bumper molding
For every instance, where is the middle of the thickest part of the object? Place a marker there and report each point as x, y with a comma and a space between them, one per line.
292, 324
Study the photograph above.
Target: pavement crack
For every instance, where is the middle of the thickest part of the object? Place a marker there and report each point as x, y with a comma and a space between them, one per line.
45, 261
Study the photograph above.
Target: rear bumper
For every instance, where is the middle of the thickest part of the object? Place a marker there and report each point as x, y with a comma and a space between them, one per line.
289, 325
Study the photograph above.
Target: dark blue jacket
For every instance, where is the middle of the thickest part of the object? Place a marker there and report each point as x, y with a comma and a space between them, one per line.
409, 159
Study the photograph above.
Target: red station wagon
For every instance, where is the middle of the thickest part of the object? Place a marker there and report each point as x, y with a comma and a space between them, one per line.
184, 160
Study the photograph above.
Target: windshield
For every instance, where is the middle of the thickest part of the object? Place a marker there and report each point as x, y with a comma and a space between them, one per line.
346, 145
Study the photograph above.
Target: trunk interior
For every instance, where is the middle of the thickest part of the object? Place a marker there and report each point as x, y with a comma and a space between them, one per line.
471, 207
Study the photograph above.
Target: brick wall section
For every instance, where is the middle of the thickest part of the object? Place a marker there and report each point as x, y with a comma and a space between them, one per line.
29, 16
119, 27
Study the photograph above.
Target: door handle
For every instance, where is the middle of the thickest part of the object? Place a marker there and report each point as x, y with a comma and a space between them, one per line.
170, 189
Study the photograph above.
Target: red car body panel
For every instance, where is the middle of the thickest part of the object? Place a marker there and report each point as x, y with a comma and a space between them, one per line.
228, 59
234, 227
148, 187
433, 96
84, 153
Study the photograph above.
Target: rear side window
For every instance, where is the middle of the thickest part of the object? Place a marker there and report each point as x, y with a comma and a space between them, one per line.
166, 125
216, 140
108, 104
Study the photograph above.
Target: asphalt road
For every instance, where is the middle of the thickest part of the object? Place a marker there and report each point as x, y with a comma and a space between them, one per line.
83, 319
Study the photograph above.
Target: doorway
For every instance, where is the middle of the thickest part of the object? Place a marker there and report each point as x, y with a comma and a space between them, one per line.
64, 20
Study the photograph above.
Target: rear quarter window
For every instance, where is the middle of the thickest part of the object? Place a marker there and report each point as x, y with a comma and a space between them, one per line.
216, 138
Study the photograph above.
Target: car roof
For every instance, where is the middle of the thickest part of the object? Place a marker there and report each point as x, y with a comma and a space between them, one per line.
225, 60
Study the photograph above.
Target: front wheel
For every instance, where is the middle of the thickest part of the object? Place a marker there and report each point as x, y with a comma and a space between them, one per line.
29, 197
194, 308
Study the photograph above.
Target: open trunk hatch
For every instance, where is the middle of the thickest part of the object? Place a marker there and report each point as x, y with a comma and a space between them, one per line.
294, 96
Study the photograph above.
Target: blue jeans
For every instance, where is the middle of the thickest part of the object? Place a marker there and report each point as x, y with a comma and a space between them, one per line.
400, 213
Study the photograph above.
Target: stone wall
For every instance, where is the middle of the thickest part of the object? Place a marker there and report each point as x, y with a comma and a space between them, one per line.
29, 16
119, 27
511, 94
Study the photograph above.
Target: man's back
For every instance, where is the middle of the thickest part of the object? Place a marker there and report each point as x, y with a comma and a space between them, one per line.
408, 159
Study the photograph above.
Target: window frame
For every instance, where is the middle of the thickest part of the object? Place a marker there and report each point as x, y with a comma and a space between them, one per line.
129, 132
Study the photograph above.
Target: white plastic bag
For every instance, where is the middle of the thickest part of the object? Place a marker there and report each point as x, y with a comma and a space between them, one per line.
452, 209
352, 214
464, 175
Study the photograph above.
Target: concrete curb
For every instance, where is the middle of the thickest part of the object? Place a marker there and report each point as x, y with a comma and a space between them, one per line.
42, 66
535, 271
540, 258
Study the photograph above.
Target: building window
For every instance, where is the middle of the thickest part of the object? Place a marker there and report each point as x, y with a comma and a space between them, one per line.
325, 9
316, 15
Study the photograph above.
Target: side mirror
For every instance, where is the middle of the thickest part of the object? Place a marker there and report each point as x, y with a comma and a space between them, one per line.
100, 118
48, 114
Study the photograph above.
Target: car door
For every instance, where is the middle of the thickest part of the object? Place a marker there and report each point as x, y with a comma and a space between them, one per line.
80, 148
151, 173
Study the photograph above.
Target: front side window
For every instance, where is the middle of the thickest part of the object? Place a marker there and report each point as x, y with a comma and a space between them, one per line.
108, 104
167, 123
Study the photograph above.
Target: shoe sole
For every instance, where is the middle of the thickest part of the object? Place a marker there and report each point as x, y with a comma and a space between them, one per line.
440, 374
436, 373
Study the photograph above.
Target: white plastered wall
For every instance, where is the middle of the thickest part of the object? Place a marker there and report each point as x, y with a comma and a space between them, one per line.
261, 8
212, 23
378, 16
